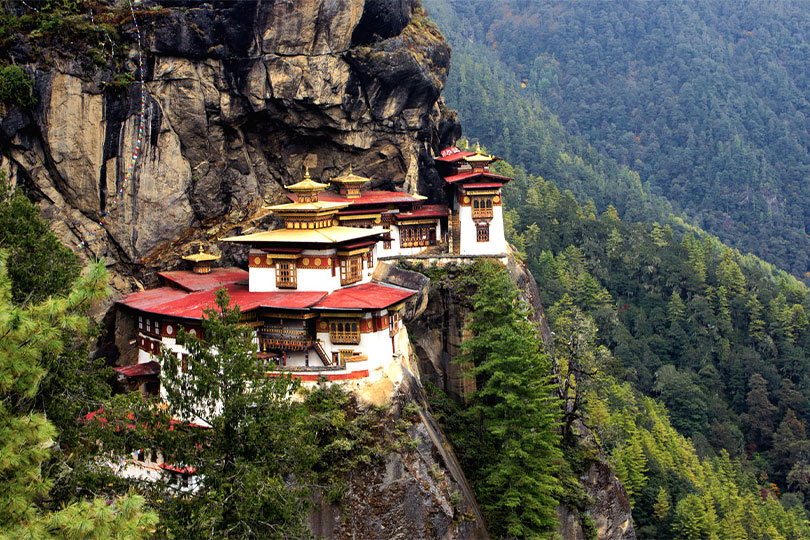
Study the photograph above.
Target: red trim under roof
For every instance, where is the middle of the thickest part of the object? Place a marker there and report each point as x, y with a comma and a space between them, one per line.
483, 186
364, 297
478, 174
428, 210
356, 245
139, 370
367, 198
190, 281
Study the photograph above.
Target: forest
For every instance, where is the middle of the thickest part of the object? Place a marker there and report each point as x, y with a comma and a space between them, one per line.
693, 107
688, 358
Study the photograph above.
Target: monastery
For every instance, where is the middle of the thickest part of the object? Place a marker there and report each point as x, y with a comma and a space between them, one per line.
309, 290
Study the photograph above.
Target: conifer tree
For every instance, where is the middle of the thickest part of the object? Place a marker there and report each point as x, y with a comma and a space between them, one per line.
661, 506
257, 442
517, 409
26, 334
38, 264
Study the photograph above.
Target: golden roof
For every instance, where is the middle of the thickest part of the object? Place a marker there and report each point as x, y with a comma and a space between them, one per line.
307, 185
318, 206
478, 157
350, 178
201, 256
328, 235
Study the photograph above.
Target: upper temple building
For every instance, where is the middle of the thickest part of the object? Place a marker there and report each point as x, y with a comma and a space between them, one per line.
309, 289
476, 206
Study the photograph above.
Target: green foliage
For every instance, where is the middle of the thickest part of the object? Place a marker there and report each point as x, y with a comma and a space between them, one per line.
701, 103
28, 334
673, 319
507, 436
16, 86
39, 265
264, 451
256, 440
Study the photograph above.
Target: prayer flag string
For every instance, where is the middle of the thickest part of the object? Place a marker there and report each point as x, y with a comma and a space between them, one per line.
135, 153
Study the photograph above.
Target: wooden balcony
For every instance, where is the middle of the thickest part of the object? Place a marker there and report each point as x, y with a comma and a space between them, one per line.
278, 339
345, 337
482, 213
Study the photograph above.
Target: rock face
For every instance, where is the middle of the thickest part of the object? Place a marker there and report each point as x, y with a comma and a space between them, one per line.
240, 97
417, 491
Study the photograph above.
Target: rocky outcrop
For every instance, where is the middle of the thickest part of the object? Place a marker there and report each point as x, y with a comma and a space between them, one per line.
416, 491
240, 97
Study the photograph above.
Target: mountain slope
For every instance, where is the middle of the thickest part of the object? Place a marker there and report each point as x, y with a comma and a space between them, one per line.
706, 101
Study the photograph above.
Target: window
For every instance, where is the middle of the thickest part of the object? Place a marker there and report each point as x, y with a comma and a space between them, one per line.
285, 275
351, 269
482, 232
393, 323
482, 207
344, 332
417, 235
370, 258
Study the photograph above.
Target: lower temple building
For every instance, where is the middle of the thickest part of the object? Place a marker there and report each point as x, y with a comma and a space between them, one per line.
308, 293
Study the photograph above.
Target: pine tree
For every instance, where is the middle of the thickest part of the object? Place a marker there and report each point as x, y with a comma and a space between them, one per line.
518, 411
257, 441
661, 506
26, 334
38, 264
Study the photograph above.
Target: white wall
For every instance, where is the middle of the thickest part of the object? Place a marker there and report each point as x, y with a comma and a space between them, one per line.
307, 279
397, 251
469, 243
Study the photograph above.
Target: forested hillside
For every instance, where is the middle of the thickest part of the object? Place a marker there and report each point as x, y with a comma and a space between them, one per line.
706, 101
719, 339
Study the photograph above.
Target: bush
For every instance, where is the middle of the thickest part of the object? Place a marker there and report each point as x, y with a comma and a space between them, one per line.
16, 86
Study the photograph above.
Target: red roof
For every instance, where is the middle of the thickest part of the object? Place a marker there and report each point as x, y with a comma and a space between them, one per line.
190, 281
191, 305
367, 198
151, 299
139, 370
453, 154
428, 210
475, 175
100, 416
173, 468
365, 296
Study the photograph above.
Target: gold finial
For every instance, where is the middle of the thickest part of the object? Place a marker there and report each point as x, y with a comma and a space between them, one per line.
477, 148
466, 144
306, 173
350, 168
201, 248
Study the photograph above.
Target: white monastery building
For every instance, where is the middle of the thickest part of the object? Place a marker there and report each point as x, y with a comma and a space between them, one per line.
308, 291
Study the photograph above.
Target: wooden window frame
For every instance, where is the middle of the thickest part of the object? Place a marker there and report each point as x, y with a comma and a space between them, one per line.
482, 207
289, 279
482, 232
351, 269
344, 331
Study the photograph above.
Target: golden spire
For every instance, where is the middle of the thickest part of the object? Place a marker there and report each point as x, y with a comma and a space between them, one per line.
477, 147
200, 256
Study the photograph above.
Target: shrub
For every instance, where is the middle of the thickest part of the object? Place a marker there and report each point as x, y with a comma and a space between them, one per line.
16, 86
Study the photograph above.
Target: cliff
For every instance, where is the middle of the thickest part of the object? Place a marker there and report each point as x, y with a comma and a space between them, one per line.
436, 322
239, 98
